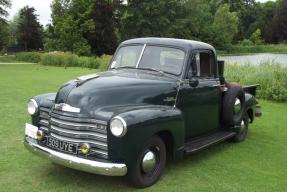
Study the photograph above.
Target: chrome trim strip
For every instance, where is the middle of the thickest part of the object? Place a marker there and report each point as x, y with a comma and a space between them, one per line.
78, 132
141, 55
75, 124
67, 108
44, 128
104, 145
99, 152
95, 167
44, 122
66, 117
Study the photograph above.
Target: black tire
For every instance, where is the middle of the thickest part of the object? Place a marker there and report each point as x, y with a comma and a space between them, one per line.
243, 130
231, 118
136, 176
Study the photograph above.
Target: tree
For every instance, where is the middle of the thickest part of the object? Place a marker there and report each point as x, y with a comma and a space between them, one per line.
29, 30
3, 13
162, 18
4, 27
278, 27
256, 37
84, 26
225, 27
105, 15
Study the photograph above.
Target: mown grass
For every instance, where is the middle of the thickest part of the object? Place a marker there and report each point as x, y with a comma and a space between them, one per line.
271, 77
258, 164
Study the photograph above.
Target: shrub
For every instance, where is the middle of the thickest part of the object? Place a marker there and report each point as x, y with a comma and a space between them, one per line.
70, 60
256, 37
271, 77
246, 42
104, 61
33, 57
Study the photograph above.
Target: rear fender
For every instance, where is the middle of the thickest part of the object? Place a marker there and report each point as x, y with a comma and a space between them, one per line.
250, 106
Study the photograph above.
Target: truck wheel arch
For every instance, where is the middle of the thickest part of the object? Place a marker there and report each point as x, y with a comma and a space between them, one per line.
168, 140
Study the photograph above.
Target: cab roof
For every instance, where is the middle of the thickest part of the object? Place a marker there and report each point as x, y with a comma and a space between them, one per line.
182, 43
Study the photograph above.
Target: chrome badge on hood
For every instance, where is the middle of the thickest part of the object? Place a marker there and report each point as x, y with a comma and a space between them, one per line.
67, 108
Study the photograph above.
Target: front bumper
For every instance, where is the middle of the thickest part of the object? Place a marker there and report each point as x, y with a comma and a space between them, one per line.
96, 167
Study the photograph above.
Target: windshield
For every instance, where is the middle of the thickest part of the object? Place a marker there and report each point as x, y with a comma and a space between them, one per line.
165, 59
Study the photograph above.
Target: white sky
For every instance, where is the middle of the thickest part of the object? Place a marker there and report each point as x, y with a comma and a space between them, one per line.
42, 8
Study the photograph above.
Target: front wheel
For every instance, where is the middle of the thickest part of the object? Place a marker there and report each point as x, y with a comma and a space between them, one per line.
149, 165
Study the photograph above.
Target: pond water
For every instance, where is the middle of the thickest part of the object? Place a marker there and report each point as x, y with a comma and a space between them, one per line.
256, 59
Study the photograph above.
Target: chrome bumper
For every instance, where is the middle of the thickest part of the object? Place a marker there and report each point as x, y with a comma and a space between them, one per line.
96, 167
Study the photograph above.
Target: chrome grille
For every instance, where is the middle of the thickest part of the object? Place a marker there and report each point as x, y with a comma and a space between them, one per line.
44, 119
80, 130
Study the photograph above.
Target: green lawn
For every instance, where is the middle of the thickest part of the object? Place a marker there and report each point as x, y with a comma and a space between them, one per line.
259, 164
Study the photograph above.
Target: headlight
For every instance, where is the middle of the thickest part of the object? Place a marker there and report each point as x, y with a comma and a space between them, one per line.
32, 107
118, 126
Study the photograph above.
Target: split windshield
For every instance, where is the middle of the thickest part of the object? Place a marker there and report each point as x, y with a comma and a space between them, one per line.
164, 59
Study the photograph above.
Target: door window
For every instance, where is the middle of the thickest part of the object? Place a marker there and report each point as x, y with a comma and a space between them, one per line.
202, 65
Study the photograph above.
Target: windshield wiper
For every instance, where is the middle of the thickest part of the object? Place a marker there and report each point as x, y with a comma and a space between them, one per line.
153, 69
125, 67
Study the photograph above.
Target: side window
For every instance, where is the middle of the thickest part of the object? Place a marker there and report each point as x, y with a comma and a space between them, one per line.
202, 65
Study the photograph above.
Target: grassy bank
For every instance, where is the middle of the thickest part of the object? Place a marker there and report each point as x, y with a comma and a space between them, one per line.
271, 77
61, 59
242, 50
255, 165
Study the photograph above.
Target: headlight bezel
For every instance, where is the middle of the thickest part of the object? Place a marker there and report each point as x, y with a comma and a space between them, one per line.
35, 105
115, 130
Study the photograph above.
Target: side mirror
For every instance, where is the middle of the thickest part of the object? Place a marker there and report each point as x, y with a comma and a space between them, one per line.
193, 82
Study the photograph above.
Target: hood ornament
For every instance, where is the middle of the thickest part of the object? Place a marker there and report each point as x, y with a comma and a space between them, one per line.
67, 108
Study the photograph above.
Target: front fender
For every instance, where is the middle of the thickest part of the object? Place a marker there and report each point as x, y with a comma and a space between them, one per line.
142, 124
45, 100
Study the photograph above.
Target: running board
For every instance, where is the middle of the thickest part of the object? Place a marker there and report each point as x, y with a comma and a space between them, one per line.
205, 141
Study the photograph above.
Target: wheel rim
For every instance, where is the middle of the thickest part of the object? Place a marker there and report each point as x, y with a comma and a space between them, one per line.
237, 106
148, 162
242, 126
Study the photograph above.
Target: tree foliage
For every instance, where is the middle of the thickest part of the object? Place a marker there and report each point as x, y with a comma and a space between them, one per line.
278, 26
88, 27
84, 26
29, 30
225, 26
3, 12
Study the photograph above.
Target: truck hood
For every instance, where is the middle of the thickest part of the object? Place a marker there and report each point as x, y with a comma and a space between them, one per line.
116, 91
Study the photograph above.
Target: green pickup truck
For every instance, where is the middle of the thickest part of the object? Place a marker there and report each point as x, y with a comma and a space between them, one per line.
160, 98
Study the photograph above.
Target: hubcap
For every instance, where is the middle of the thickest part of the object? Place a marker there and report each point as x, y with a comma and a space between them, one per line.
237, 106
148, 162
242, 126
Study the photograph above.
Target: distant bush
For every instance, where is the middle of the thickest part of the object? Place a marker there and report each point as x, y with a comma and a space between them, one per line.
71, 60
31, 57
246, 42
62, 59
271, 77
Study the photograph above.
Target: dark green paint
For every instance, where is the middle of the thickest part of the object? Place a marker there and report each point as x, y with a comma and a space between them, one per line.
150, 103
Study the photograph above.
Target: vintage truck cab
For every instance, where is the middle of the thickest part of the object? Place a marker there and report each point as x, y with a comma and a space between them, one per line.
159, 98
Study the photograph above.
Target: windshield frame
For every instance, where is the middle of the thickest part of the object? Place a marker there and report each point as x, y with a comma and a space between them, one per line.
144, 45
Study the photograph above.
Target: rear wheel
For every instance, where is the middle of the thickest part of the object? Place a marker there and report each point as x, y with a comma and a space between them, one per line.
233, 106
149, 166
243, 130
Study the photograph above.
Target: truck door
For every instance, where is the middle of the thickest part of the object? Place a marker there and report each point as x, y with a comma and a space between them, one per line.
199, 95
